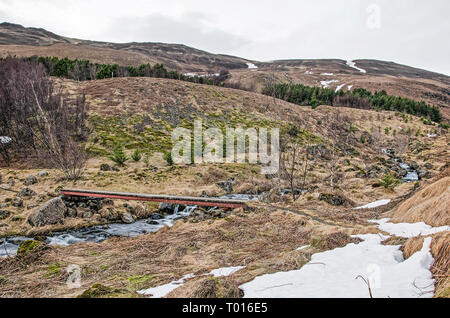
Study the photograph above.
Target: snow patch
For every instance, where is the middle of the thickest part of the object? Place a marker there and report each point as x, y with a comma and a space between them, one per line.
5, 139
374, 204
303, 247
352, 64
408, 229
350, 87
327, 74
163, 290
308, 72
326, 84
332, 274
251, 66
225, 271
339, 88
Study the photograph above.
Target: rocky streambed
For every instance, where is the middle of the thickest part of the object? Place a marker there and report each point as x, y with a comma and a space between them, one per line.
169, 214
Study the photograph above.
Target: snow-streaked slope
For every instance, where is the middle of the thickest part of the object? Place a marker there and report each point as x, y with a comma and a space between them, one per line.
352, 64
374, 204
163, 290
408, 229
332, 274
251, 66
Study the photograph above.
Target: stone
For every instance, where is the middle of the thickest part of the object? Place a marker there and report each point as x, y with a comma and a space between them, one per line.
156, 216
333, 199
42, 174
152, 222
26, 193
30, 180
4, 205
428, 166
423, 174
4, 214
51, 212
127, 218
227, 185
71, 213
17, 202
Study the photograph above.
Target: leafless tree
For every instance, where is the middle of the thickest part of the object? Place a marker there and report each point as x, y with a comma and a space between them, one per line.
41, 122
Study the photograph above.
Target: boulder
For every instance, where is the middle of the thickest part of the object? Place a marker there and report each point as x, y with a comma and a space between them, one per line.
17, 202
26, 193
42, 174
333, 199
30, 180
127, 218
4, 214
227, 185
51, 212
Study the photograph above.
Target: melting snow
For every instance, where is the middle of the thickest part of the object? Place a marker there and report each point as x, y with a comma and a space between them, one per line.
163, 290
333, 274
225, 271
325, 84
251, 66
339, 88
327, 74
5, 139
374, 204
308, 72
350, 87
408, 229
302, 247
353, 65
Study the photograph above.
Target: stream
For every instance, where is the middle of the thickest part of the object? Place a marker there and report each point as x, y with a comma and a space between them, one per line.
100, 233
411, 174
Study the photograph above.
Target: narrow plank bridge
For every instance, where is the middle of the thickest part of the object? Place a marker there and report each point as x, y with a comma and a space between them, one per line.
200, 201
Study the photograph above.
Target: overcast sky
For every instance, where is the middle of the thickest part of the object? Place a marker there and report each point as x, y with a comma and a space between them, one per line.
412, 32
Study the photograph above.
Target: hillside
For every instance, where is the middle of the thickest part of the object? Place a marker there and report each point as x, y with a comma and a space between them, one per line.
396, 79
356, 189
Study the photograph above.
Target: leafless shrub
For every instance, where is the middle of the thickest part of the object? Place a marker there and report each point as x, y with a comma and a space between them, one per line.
41, 122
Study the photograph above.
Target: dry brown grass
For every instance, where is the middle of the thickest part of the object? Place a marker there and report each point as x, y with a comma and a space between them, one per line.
429, 205
440, 249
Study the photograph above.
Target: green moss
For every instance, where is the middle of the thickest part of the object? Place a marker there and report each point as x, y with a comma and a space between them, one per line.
3, 280
29, 247
135, 282
53, 270
97, 291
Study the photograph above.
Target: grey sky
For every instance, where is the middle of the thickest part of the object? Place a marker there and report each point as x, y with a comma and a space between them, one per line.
412, 32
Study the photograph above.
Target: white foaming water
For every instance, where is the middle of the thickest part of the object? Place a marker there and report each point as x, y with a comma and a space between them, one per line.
96, 234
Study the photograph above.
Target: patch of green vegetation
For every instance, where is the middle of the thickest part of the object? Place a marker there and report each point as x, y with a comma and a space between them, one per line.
3, 280
388, 181
29, 247
53, 270
135, 282
98, 291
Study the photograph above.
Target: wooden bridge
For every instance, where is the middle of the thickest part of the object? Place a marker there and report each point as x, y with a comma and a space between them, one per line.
200, 201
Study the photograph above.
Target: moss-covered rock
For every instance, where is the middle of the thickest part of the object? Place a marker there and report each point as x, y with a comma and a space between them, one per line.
30, 247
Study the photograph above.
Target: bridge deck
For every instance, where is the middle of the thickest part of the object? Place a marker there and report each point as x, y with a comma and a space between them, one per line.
200, 201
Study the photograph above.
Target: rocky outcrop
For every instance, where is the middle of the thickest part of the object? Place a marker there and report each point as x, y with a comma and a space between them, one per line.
227, 185
51, 212
4, 214
333, 199
30, 180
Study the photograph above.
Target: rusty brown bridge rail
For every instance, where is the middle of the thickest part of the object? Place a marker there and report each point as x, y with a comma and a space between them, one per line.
200, 201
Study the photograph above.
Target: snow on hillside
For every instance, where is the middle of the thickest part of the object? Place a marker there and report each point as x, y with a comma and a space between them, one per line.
251, 66
5, 139
163, 290
339, 88
326, 84
374, 204
352, 64
333, 274
408, 229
